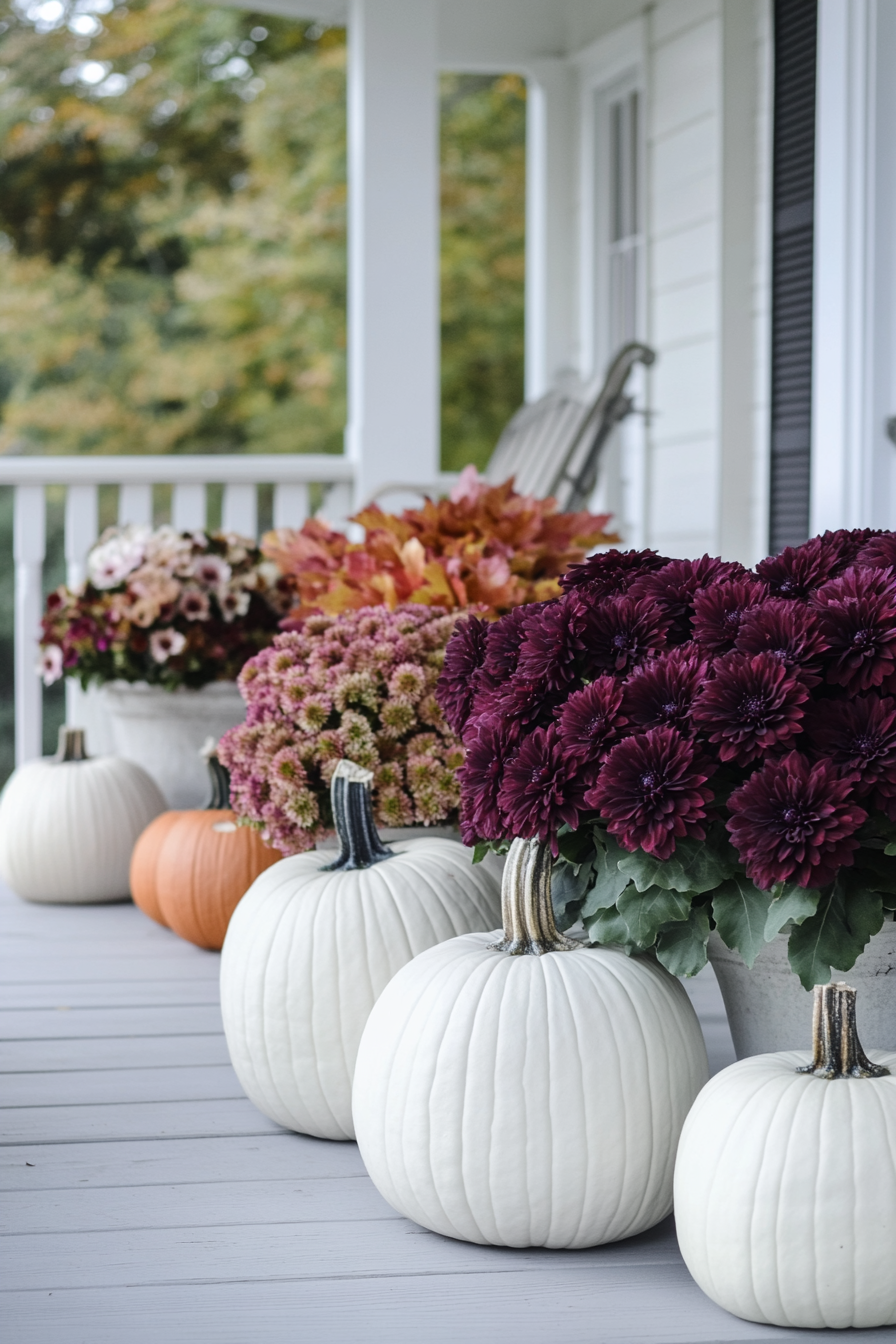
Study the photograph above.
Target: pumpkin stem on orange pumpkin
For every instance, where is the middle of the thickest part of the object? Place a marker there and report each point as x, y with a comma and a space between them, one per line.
526, 907
837, 1051
72, 745
359, 843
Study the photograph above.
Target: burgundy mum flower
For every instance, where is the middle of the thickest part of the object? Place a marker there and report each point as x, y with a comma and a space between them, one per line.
651, 791
521, 702
879, 552
464, 657
611, 572
798, 570
552, 644
857, 613
788, 630
848, 542
719, 611
541, 788
662, 692
793, 820
750, 705
859, 738
591, 721
674, 586
621, 633
488, 749
504, 639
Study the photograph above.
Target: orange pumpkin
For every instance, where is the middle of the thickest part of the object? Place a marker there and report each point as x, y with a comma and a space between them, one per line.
145, 862
205, 867
190, 869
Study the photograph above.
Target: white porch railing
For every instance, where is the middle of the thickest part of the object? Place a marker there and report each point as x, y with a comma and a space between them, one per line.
291, 477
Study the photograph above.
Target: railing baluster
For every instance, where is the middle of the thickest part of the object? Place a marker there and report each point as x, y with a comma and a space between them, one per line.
29, 548
81, 527
240, 510
134, 505
337, 506
188, 508
290, 505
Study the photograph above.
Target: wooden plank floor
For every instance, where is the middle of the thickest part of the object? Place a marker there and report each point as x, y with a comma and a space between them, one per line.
146, 1200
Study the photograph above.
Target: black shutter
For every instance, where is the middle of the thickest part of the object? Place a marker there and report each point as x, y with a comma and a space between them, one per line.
793, 205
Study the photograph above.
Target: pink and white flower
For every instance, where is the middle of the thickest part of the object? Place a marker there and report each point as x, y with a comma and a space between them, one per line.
194, 604
49, 665
211, 571
165, 644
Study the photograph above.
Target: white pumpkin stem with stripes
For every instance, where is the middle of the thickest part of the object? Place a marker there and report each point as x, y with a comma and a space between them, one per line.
312, 944
529, 1091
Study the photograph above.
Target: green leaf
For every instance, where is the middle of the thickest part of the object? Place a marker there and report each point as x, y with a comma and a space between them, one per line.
836, 934
480, 849
682, 947
608, 927
890, 848
696, 866
646, 912
791, 904
609, 881
569, 882
577, 846
740, 911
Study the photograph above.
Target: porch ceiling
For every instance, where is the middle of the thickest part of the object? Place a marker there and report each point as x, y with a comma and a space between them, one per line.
488, 34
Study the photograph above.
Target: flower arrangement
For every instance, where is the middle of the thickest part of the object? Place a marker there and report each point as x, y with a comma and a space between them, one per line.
701, 746
170, 608
358, 686
483, 545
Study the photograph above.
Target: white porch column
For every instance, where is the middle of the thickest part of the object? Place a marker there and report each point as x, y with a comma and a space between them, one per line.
854, 354
550, 223
393, 250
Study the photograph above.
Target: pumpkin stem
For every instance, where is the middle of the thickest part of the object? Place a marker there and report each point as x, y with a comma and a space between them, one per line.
220, 799
836, 1047
359, 843
72, 745
526, 907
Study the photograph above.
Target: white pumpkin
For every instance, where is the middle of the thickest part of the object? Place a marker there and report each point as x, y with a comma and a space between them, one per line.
528, 1100
309, 948
785, 1183
68, 824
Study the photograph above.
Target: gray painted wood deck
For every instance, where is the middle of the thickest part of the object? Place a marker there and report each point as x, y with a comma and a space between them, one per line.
146, 1200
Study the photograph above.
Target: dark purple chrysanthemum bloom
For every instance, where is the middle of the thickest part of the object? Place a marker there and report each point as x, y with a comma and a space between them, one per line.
488, 748
591, 722
859, 738
651, 791
857, 613
621, 633
793, 821
798, 570
751, 704
464, 657
611, 572
674, 586
847, 542
552, 643
879, 552
541, 788
503, 647
788, 630
663, 691
718, 612
520, 703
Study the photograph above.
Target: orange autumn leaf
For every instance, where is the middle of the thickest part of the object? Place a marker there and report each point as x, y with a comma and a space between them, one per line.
483, 545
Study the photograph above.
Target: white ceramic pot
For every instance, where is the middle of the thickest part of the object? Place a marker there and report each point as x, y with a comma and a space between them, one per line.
164, 732
769, 1010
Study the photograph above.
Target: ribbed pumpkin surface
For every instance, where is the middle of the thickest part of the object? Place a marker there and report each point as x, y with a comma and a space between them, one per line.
144, 865
527, 1100
785, 1193
307, 954
206, 865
